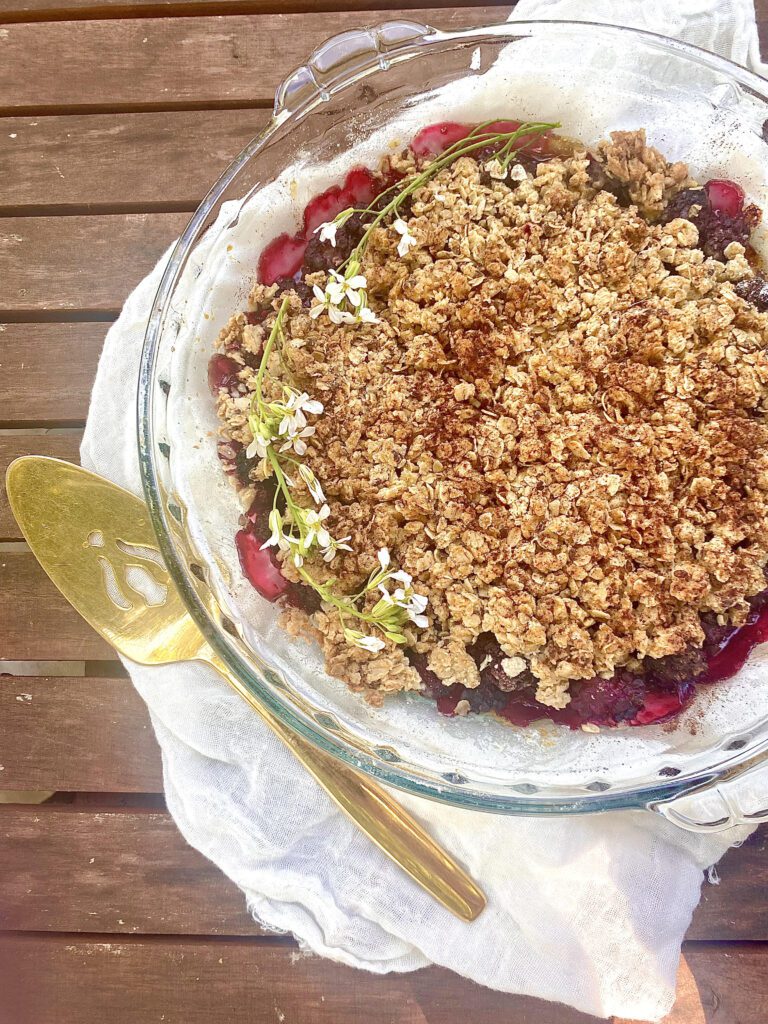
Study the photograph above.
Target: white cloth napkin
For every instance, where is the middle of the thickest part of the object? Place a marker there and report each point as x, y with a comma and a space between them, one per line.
590, 912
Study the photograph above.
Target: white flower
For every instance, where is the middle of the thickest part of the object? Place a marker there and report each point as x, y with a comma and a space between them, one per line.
294, 421
277, 538
343, 290
329, 229
316, 530
329, 301
372, 644
413, 604
313, 484
365, 315
407, 240
384, 559
321, 303
259, 445
496, 169
329, 551
303, 401
341, 287
416, 608
292, 424
402, 577
328, 232
297, 441
340, 316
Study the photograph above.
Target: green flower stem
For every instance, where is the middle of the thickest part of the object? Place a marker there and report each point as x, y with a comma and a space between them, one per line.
344, 605
475, 140
284, 489
277, 331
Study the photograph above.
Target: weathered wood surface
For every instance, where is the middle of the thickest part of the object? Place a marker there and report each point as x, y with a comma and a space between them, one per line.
172, 63
37, 623
92, 162
146, 879
47, 371
238, 982
73, 980
79, 265
75, 734
127, 871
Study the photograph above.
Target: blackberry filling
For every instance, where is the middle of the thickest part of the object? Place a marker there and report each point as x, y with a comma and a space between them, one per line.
660, 693
719, 213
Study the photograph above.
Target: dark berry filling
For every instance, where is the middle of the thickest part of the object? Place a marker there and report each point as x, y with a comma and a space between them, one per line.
664, 689
284, 257
755, 291
236, 463
222, 373
718, 211
260, 566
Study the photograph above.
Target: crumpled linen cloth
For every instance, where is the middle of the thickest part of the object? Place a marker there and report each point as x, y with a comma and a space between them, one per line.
587, 911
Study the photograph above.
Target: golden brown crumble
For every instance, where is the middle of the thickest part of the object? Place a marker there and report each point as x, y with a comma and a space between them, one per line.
558, 427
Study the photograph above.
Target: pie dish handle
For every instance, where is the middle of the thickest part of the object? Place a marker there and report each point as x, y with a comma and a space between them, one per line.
344, 56
740, 797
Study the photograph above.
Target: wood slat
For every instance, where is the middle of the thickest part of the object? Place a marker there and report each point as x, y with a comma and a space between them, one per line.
64, 870
145, 878
60, 446
76, 734
37, 623
72, 981
90, 161
86, 264
732, 982
736, 908
47, 371
166, 62
41, 10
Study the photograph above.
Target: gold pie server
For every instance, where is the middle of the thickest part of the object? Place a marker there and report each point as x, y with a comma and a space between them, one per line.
96, 543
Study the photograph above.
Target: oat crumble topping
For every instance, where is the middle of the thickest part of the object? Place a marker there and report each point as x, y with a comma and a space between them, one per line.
557, 426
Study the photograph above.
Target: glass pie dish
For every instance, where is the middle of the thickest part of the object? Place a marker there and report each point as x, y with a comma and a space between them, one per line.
358, 95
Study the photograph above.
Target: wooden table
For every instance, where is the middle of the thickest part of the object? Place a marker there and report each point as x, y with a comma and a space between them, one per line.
116, 116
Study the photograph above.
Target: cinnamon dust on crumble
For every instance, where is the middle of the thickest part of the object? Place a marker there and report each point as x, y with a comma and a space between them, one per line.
558, 426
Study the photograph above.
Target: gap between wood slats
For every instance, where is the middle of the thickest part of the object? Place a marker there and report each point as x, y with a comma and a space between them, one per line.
95, 209
160, 107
